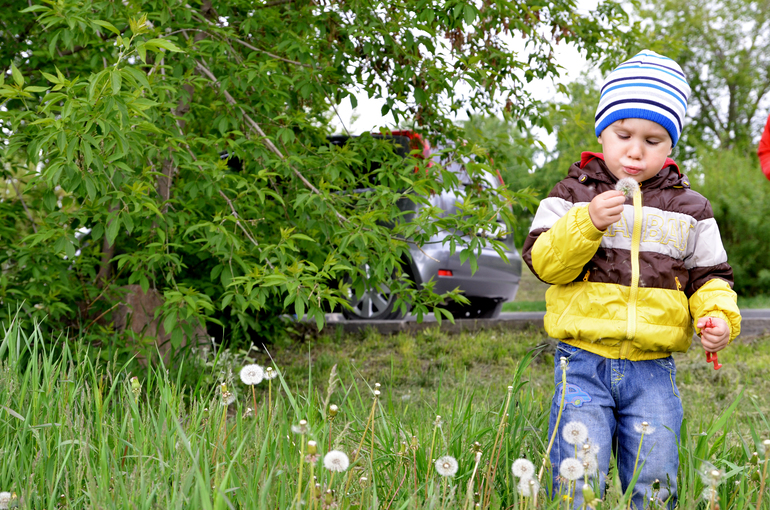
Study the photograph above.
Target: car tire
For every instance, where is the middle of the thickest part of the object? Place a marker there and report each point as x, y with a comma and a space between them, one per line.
376, 304
479, 308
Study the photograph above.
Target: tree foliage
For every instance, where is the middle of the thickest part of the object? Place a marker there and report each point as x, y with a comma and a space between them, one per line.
116, 116
723, 47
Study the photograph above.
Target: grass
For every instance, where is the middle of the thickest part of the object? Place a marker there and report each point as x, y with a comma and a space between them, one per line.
73, 434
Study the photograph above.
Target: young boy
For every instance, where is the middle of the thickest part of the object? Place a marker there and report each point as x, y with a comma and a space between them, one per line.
629, 277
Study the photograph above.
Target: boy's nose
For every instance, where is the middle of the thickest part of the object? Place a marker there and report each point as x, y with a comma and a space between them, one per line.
635, 151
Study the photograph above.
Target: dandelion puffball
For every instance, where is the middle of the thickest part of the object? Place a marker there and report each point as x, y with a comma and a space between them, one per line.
336, 461
571, 469
528, 487
446, 465
522, 468
627, 186
5, 500
575, 432
644, 428
252, 374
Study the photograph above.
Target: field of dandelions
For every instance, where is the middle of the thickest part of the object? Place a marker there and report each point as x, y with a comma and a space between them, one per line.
410, 421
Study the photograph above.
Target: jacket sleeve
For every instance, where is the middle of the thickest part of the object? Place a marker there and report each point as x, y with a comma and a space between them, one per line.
561, 241
764, 150
711, 277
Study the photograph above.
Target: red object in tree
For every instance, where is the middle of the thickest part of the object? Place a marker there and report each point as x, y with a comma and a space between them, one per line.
764, 150
711, 357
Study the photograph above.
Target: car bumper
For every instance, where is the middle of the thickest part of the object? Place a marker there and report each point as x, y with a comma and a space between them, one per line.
494, 278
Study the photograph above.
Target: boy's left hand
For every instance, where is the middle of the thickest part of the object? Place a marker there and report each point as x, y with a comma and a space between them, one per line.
715, 338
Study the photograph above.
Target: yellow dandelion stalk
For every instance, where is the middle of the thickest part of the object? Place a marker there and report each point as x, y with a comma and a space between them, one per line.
556, 425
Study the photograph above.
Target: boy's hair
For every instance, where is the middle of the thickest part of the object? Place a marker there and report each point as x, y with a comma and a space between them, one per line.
648, 86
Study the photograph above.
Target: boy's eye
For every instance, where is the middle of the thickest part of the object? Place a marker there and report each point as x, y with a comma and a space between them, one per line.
623, 136
653, 142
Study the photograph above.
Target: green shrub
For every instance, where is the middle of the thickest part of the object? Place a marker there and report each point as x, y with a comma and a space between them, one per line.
740, 196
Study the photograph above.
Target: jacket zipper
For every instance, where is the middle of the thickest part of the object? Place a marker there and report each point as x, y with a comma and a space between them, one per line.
633, 295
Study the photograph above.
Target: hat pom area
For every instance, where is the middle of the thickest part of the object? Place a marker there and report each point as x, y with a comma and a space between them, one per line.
647, 86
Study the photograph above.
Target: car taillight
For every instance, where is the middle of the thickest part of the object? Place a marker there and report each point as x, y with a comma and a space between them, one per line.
444, 272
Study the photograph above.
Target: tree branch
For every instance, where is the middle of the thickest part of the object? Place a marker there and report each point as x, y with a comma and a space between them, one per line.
24, 204
245, 231
261, 134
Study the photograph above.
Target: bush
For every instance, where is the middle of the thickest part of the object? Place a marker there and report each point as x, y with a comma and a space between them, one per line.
740, 197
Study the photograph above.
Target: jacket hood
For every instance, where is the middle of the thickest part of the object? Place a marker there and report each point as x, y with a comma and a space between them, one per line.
592, 166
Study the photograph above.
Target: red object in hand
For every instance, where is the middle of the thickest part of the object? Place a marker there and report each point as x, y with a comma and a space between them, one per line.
711, 357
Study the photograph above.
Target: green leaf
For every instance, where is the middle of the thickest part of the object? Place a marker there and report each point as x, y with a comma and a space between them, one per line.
165, 44
17, 76
112, 230
116, 82
106, 24
50, 77
299, 308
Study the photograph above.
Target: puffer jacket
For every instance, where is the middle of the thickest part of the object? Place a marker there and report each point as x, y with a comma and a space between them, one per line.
633, 290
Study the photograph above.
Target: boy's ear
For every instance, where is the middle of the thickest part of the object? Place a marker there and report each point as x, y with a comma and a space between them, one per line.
599, 139
670, 150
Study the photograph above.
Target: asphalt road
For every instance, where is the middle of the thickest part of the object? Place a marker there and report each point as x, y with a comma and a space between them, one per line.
755, 323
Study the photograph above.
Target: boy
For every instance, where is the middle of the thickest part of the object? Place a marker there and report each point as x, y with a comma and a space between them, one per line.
629, 277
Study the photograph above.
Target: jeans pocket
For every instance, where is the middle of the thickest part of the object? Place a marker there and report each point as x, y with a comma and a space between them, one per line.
564, 350
667, 364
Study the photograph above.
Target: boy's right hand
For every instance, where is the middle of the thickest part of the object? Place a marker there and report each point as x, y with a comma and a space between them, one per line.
606, 208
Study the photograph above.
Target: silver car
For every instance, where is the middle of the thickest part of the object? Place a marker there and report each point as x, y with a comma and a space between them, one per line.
494, 282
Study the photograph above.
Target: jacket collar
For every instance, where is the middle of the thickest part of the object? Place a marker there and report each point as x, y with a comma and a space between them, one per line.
592, 166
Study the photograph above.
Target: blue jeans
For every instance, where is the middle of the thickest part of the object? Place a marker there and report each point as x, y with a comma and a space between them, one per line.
613, 398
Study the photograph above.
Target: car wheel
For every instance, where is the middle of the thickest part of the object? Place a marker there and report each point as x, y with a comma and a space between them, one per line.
479, 308
375, 304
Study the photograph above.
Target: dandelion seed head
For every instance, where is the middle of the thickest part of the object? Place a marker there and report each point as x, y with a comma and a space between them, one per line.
563, 363
590, 465
301, 428
710, 475
5, 500
644, 428
571, 469
336, 461
523, 468
589, 449
528, 487
252, 374
575, 432
270, 373
446, 466
627, 186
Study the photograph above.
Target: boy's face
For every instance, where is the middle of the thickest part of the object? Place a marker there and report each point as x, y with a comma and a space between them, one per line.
635, 148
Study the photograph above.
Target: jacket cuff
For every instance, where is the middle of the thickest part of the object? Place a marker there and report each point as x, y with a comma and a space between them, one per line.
586, 226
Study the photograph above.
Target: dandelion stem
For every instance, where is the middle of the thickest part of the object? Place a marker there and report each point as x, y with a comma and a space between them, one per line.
361, 443
254, 397
311, 484
555, 426
430, 452
269, 401
469, 491
301, 463
762, 480
401, 483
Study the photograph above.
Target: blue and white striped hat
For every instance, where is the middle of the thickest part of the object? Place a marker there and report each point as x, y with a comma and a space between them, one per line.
648, 86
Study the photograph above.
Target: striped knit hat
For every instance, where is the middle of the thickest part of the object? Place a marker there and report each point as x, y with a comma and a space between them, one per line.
649, 86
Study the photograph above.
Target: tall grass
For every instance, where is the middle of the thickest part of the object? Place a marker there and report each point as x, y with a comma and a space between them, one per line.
75, 433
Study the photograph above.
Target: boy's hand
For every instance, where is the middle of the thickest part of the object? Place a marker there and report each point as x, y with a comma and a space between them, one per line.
714, 338
606, 208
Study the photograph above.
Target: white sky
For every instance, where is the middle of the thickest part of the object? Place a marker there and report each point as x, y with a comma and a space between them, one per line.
367, 117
